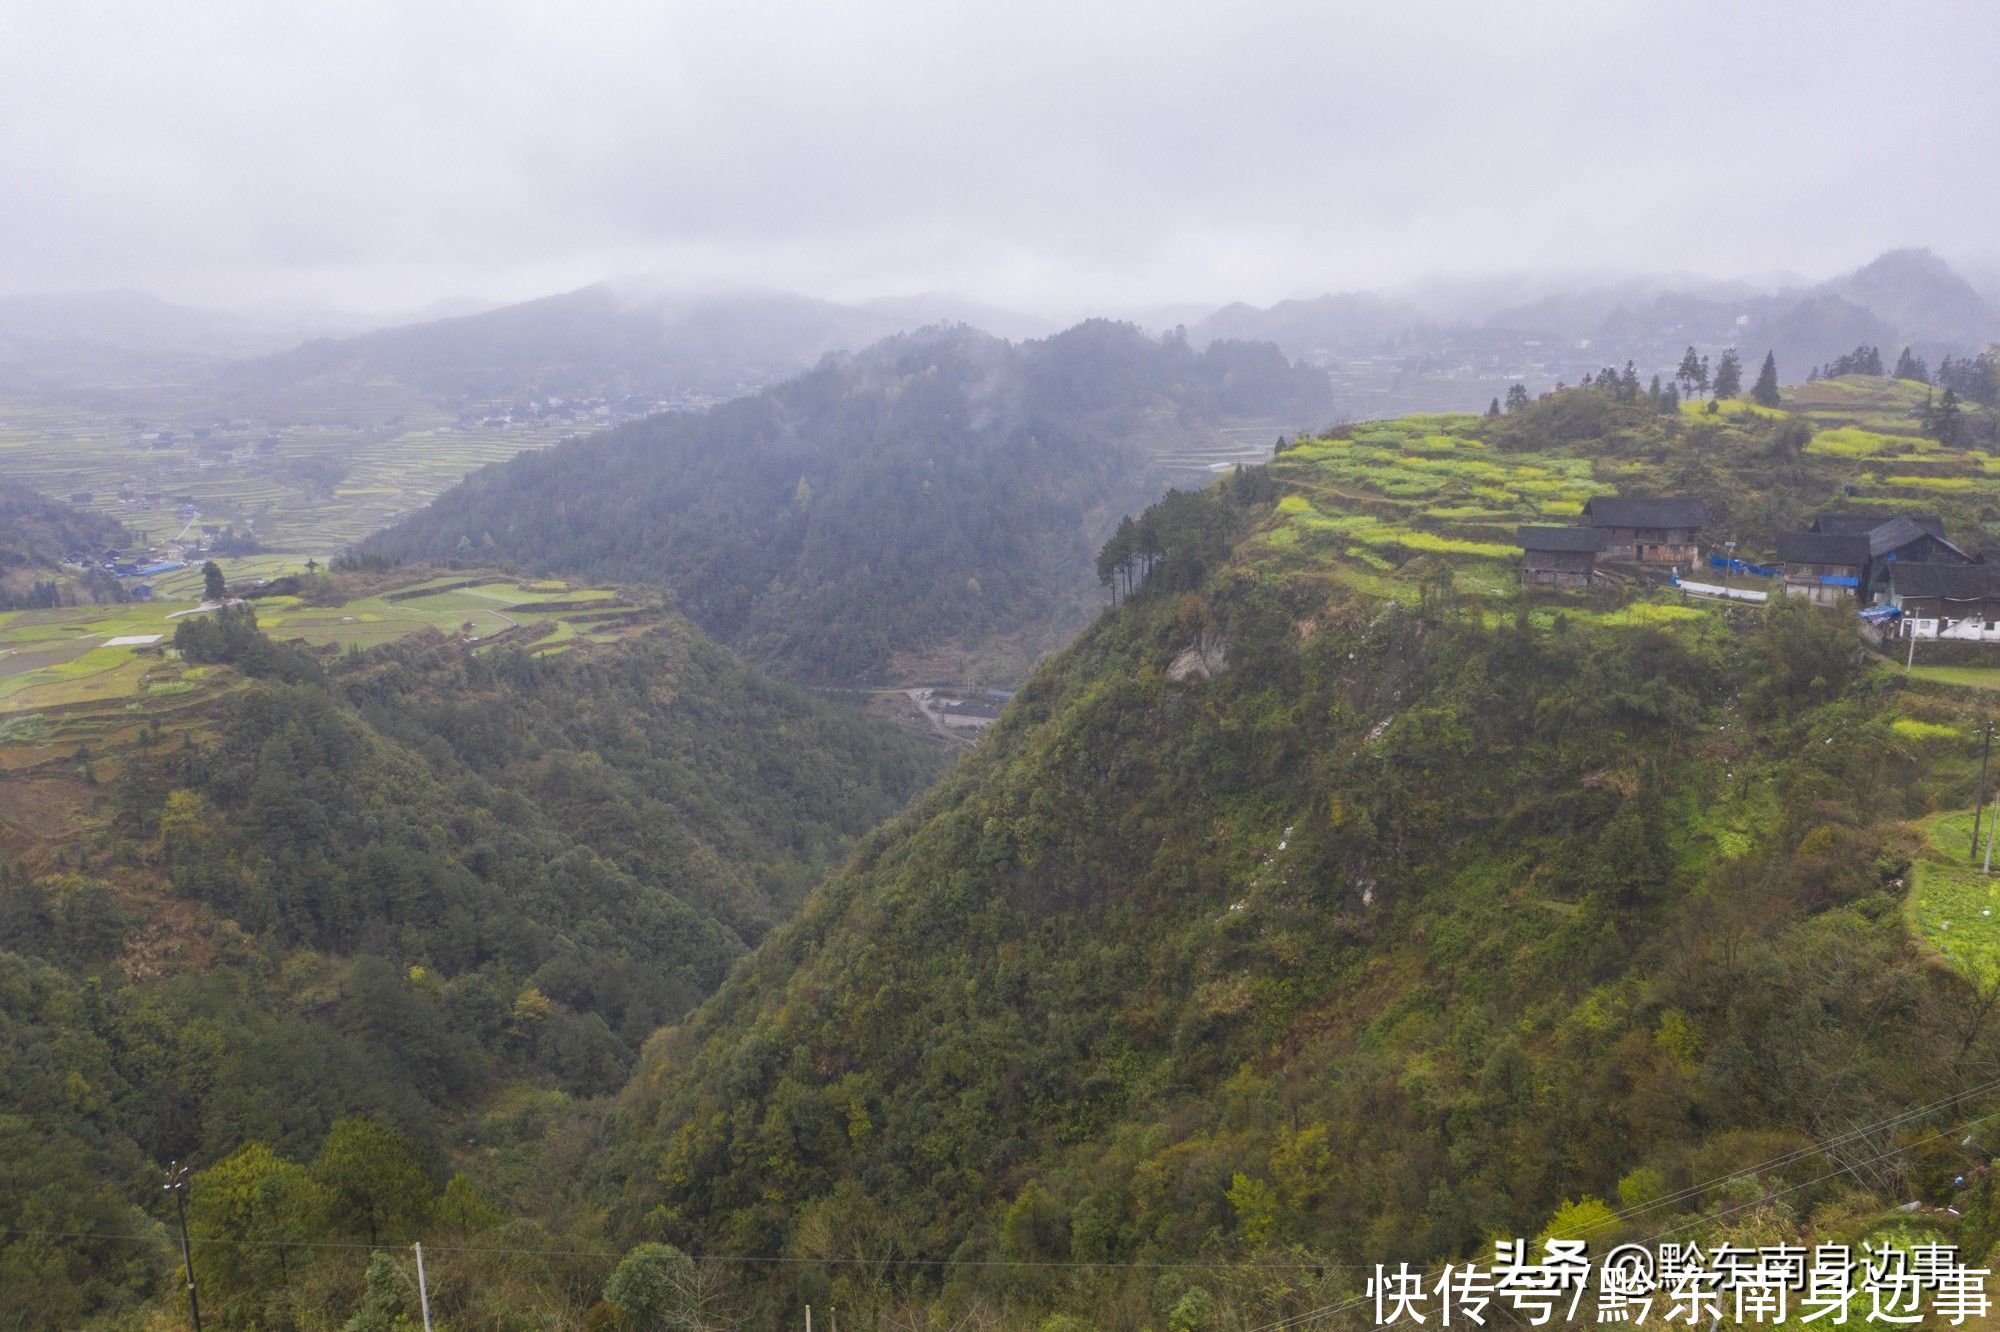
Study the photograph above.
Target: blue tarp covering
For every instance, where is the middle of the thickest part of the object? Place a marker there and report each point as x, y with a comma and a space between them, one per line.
1839, 580
1728, 565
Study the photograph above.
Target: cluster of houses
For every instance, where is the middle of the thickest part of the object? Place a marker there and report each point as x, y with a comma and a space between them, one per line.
1897, 568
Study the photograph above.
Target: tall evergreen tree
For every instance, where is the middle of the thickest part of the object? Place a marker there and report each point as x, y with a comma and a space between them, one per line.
1943, 418
1728, 375
1765, 390
1909, 367
1690, 371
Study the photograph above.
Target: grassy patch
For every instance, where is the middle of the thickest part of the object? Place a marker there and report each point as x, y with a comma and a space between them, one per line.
1976, 677
1952, 909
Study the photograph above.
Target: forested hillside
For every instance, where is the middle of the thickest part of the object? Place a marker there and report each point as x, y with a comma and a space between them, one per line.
356, 899
943, 488
1332, 902
36, 535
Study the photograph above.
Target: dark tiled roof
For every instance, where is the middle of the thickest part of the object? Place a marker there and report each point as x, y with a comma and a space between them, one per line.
1637, 511
1893, 535
1866, 520
1559, 538
1954, 582
1823, 548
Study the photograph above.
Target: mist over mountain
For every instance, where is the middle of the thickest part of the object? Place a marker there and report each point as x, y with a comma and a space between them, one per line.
603, 339
1455, 345
939, 489
1918, 294
57, 340
1326, 321
998, 668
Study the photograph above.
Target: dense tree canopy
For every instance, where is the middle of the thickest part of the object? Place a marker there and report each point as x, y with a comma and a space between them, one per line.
354, 899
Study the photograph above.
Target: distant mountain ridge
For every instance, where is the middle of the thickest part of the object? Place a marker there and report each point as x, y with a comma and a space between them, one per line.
618, 338
1903, 297
1920, 296
1325, 320
595, 338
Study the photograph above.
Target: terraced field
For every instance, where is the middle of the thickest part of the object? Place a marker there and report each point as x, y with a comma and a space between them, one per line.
301, 488
1391, 491
1383, 504
121, 655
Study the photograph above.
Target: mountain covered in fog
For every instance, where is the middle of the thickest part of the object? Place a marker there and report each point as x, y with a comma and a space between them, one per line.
61, 339
1453, 348
1324, 321
939, 490
612, 339
1922, 298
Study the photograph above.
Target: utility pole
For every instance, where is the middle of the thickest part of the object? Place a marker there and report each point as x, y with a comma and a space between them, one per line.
809, 1318
1911, 663
177, 1182
1979, 805
423, 1290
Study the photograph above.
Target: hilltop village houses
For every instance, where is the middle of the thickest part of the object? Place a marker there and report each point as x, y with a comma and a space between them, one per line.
1898, 568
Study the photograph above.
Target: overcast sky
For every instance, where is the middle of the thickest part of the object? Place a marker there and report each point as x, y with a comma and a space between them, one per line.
1046, 156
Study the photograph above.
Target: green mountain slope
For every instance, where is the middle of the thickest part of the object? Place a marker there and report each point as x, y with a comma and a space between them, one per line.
1332, 902
404, 883
36, 535
939, 490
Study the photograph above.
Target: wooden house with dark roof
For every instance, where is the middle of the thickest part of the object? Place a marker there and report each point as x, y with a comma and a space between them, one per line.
1559, 556
1652, 530
1823, 566
1885, 537
1950, 601
1851, 521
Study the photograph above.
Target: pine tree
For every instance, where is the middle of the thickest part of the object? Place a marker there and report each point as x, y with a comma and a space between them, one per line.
1493, 409
1765, 390
1728, 375
1944, 420
1517, 397
1909, 367
1689, 372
